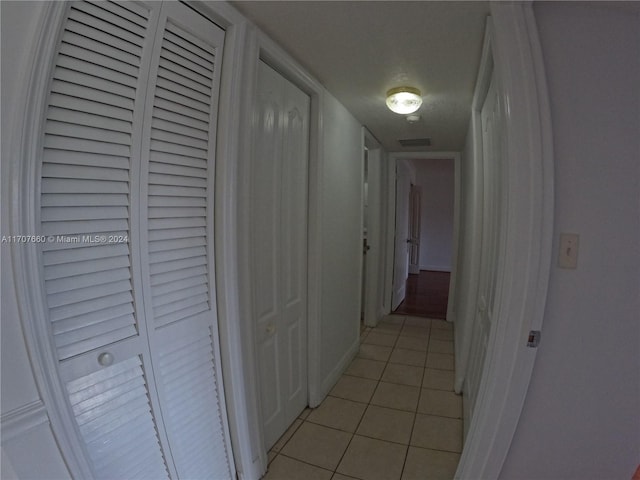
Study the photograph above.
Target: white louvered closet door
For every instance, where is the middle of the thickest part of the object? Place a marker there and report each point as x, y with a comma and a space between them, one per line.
126, 201
177, 239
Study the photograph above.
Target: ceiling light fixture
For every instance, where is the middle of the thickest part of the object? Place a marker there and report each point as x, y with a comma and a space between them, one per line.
404, 100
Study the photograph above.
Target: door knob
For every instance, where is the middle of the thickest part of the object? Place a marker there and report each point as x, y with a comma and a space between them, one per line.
105, 359
271, 328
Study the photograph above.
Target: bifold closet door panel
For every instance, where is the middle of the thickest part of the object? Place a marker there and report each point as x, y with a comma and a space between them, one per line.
126, 202
177, 185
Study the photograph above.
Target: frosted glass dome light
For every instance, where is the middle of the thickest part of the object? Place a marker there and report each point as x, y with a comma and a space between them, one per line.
404, 100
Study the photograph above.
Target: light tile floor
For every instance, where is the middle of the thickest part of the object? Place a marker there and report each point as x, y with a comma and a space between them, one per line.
393, 415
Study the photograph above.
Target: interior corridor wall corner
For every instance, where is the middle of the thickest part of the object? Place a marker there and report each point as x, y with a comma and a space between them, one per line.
341, 236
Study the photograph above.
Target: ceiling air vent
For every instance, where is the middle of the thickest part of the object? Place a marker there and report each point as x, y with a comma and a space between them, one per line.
416, 142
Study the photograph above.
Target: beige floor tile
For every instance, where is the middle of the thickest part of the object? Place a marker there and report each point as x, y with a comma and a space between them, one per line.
338, 413
374, 352
438, 379
390, 328
437, 433
414, 331
305, 413
440, 361
423, 464
317, 445
380, 339
387, 424
441, 325
286, 435
403, 374
288, 468
354, 388
413, 343
339, 476
401, 397
408, 357
439, 402
418, 322
371, 459
442, 334
362, 367
440, 346
393, 319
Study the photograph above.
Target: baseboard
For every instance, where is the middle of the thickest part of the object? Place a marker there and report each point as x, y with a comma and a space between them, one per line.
21, 420
436, 268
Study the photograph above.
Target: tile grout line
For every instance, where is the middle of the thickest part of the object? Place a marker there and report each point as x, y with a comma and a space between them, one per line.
368, 403
415, 415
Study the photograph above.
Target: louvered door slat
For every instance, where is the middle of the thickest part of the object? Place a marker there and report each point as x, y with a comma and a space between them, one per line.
173, 159
85, 105
99, 83
129, 18
93, 62
89, 120
131, 12
188, 374
168, 77
179, 234
184, 241
68, 200
67, 61
127, 152
86, 162
183, 110
180, 119
202, 49
88, 293
120, 39
89, 280
180, 284
177, 88
167, 64
92, 331
77, 255
87, 227
186, 130
187, 56
115, 397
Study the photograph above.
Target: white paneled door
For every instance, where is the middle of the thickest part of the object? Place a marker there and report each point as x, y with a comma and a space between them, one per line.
401, 252
279, 248
126, 201
414, 228
491, 121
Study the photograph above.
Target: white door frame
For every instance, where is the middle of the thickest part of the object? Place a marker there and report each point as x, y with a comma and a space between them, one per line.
374, 276
526, 253
455, 158
234, 246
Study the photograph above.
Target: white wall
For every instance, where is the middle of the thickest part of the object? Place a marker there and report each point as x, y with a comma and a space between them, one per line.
580, 418
29, 449
341, 230
436, 178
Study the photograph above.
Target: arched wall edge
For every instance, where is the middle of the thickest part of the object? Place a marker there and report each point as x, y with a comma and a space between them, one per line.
527, 243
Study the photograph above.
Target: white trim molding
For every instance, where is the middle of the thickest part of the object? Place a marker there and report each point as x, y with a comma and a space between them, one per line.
233, 245
19, 421
522, 285
391, 186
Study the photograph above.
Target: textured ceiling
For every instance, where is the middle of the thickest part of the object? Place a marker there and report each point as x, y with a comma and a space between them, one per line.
360, 49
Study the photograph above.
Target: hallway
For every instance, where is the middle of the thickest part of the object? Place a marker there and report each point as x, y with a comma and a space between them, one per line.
427, 295
393, 415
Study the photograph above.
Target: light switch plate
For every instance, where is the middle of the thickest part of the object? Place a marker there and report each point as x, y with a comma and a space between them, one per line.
568, 254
